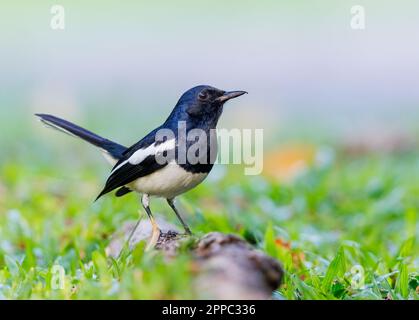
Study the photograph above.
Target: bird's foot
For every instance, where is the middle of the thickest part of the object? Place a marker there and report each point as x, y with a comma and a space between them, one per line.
186, 234
155, 235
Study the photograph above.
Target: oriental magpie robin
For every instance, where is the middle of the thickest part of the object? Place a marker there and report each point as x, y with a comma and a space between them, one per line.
140, 167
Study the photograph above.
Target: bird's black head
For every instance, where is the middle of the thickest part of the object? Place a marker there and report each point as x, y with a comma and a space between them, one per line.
202, 104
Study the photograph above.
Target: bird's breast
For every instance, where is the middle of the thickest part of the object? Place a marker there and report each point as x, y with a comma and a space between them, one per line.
168, 182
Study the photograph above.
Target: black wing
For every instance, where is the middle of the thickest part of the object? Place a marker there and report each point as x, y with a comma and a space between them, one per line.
122, 191
124, 172
129, 172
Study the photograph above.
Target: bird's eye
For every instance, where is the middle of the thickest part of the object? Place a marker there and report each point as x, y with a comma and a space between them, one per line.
203, 96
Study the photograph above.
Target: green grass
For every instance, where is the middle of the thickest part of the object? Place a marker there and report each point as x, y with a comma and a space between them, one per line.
345, 230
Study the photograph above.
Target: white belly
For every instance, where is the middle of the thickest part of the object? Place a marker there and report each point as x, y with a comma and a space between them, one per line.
168, 182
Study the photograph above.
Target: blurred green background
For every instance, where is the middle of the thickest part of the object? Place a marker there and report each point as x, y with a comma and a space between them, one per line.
339, 109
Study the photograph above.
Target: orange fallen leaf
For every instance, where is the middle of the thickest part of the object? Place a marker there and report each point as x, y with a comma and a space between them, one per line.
283, 244
297, 255
287, 162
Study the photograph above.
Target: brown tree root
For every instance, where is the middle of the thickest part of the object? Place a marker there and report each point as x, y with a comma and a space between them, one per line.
227, 267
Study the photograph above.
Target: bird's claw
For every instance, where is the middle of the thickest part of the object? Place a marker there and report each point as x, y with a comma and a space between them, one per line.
155, 235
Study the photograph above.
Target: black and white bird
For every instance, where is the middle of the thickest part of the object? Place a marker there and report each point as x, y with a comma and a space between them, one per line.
140, 167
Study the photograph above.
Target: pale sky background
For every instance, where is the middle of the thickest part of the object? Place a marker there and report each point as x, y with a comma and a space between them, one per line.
133, 59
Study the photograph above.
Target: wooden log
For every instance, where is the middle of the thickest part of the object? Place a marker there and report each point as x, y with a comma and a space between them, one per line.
227, 266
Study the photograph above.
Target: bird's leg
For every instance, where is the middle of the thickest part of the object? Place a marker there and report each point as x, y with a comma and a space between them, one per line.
155, 233
171, 203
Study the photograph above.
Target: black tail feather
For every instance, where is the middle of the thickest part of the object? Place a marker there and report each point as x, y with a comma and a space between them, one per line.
114, 149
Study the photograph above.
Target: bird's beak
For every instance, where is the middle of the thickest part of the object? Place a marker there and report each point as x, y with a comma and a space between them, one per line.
230, 95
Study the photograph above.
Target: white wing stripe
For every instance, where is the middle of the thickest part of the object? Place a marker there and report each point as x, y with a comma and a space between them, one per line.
138, 156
